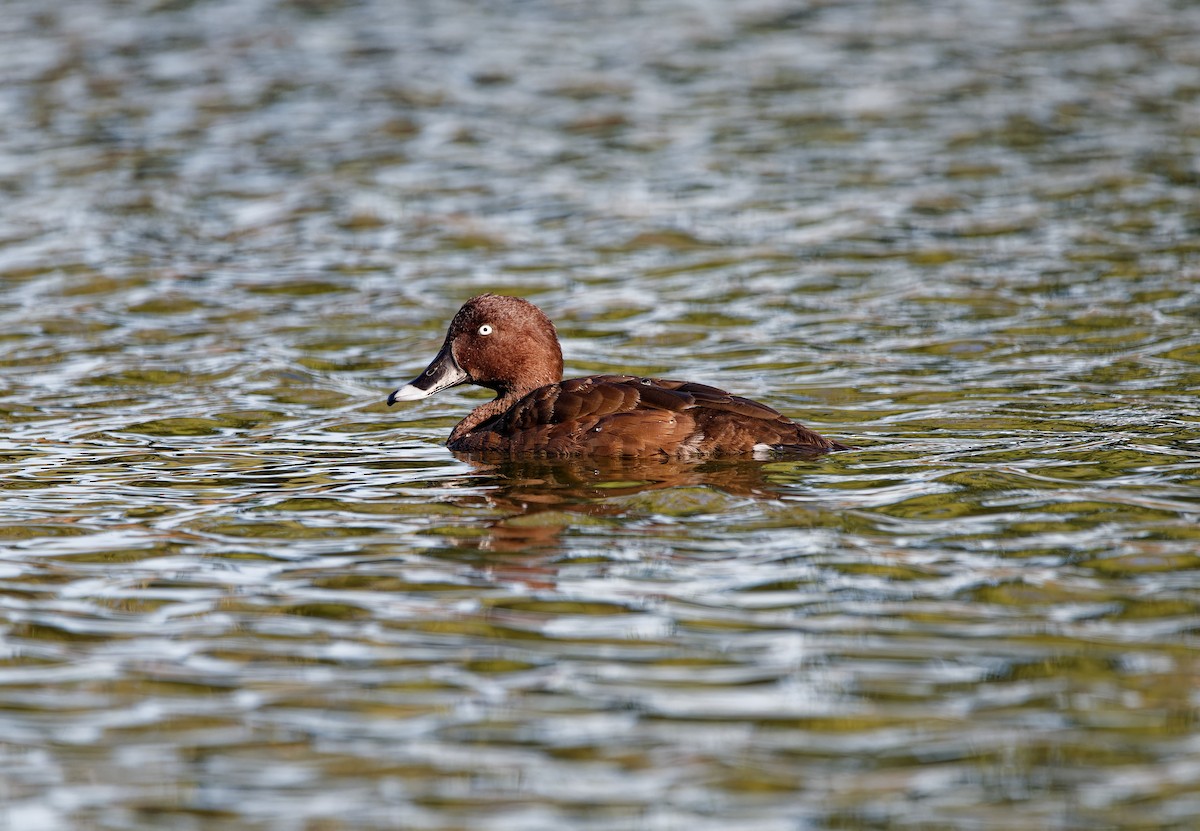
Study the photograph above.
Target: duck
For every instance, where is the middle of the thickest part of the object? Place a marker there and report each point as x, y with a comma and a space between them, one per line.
509, 345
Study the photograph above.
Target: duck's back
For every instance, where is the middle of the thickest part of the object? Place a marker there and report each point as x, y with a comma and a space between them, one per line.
623, 415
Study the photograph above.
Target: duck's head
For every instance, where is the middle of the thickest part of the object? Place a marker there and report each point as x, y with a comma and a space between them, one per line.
503, 343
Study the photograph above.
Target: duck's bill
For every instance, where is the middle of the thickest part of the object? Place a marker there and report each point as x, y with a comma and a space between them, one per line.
443, 372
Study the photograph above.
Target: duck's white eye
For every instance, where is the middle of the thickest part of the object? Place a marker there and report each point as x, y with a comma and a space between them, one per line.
485, 329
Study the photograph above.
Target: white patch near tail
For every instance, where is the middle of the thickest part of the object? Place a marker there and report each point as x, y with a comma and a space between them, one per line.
764, 451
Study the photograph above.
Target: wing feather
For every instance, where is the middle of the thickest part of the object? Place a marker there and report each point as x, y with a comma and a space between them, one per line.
623, 415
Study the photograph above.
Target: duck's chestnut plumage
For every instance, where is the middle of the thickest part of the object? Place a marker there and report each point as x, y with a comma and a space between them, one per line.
507, 344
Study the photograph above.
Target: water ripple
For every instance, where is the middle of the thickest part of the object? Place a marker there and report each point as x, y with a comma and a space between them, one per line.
237, 589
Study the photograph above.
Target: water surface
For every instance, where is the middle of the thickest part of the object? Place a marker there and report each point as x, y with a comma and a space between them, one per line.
237, 591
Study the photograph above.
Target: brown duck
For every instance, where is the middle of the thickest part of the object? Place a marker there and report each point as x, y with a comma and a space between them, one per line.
509, 345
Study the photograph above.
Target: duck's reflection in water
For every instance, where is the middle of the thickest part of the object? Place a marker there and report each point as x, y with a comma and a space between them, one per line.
539, 497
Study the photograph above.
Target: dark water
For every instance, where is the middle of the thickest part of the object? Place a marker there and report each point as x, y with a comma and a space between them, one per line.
238, 592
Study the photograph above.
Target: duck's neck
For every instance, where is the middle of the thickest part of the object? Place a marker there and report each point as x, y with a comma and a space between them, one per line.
485, 412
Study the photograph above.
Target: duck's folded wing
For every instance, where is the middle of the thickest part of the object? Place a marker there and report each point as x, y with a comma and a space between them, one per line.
618, 415
624, 415
584, 400
732, 424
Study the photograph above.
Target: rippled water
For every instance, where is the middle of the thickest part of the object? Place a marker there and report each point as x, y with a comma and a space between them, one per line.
237, 591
